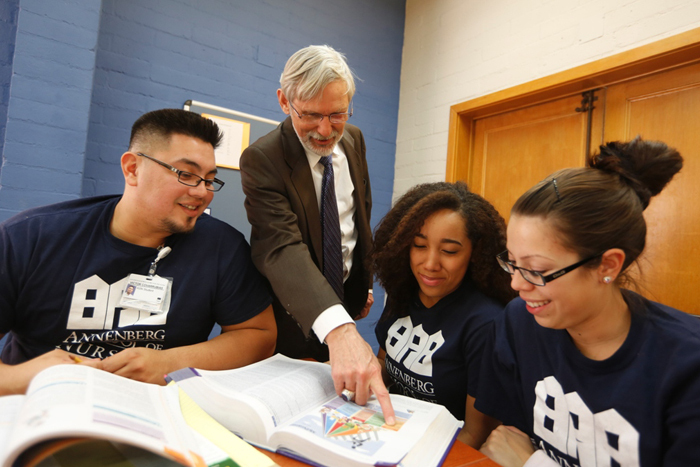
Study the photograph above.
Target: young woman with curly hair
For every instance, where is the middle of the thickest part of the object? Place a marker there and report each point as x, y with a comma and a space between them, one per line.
433, 254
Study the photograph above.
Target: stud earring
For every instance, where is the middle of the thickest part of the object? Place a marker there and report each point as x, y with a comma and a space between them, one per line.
607, 279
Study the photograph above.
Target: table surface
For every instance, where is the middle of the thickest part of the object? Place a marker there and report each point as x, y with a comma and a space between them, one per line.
460, 455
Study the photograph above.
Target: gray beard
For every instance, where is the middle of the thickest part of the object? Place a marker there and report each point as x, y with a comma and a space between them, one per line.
323, 152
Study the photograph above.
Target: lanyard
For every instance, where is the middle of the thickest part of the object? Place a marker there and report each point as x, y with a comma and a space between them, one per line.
161, 254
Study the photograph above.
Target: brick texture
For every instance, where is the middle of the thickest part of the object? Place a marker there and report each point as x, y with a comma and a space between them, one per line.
77, 74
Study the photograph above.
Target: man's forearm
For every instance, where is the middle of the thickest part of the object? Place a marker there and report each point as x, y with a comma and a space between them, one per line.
236, 346
233, 348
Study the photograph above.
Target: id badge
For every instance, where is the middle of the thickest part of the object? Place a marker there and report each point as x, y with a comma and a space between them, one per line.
148, 293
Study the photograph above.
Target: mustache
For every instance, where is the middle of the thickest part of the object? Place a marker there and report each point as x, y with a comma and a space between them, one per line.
317, 136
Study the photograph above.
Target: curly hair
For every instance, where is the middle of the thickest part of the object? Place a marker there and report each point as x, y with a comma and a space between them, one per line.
393, 237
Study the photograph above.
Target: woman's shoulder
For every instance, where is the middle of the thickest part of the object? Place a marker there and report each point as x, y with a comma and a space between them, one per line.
666, 322
516, 312
469, 295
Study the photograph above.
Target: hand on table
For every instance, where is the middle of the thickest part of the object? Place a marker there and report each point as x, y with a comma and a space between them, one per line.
355, 367
140, 364
15, 378
508, 446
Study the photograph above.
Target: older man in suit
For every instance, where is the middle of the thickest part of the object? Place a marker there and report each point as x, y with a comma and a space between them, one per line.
308, 199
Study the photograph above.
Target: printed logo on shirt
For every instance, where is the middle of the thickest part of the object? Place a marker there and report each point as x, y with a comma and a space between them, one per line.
413, 347
95, 306
573, 435
409, 385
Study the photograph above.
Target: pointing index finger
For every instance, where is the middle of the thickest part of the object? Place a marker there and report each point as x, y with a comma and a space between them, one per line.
384, 400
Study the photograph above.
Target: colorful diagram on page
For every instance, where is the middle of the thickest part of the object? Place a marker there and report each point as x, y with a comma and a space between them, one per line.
345, 419
351, 426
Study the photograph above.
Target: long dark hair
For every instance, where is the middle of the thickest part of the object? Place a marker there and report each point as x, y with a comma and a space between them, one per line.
394, 236
600, 206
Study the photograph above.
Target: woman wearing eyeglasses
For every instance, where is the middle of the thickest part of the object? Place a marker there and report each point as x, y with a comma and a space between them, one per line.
433, 253
580, 370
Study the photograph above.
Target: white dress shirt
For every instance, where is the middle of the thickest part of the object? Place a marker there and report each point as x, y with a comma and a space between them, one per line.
336, 315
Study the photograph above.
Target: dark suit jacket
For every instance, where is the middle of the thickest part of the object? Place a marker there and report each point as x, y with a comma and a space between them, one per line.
286, 237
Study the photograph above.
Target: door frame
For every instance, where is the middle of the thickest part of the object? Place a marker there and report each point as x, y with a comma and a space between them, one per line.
665, 54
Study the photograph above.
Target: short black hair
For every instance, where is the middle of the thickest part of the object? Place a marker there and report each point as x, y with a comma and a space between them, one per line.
164, 123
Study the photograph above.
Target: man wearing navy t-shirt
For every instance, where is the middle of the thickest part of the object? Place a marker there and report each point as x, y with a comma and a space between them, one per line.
65, 270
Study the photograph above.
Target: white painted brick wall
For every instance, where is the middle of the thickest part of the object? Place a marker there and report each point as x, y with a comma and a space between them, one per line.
457, 50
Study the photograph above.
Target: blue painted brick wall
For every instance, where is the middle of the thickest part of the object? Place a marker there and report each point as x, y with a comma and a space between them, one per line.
49, 102
8, 31
159, 53
77, 90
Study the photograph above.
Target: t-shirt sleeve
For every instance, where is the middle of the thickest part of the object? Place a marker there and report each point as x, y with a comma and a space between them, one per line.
474, 345
482, 313
242, 292
382, 328
498, 390
16, 241
7, 293
683, 413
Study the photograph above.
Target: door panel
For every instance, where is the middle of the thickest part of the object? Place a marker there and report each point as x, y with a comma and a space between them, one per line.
666, 107
515, 150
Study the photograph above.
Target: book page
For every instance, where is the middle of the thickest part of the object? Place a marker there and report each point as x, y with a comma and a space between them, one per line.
79, 401
9, 411
284, 386
311, 422
359, 433
361, 430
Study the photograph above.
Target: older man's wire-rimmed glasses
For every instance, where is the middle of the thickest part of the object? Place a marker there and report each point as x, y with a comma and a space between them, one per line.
316, 118
534, 277
188, 178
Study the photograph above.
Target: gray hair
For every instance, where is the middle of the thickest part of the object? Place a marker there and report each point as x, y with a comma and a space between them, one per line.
311, 69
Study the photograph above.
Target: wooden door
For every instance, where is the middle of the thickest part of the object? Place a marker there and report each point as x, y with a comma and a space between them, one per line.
666, 106
514, 150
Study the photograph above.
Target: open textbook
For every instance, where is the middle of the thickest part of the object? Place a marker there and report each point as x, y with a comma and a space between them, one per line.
290, 407
77, 415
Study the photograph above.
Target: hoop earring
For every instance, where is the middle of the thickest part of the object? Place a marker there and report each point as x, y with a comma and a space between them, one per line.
607, 279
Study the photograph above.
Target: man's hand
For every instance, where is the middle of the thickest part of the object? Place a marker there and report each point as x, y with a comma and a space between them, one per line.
14, 379
237, 345
368, 306
354, 367
139, 363
508, 446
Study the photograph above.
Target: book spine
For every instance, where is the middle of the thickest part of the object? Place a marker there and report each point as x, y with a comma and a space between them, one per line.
180, 375
294, 455
449, 447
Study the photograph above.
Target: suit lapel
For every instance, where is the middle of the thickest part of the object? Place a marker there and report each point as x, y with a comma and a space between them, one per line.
300, 174
358, 181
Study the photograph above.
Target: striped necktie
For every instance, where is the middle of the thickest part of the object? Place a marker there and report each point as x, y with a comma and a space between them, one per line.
330, 224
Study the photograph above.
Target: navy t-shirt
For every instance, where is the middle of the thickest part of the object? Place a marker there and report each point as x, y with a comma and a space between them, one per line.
433, 354
640, 407
62, 274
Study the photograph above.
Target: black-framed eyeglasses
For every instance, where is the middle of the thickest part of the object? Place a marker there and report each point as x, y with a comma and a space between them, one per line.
188, 178
316, 118
534, 277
